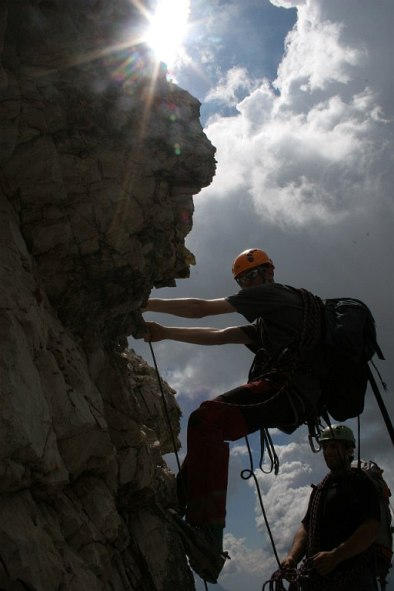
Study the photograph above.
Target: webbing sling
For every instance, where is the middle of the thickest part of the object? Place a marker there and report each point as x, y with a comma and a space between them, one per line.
381, 404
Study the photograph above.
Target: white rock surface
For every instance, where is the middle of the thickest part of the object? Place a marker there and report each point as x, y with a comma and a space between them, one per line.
95, 202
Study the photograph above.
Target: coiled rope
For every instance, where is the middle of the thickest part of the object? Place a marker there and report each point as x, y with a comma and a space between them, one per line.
292, 575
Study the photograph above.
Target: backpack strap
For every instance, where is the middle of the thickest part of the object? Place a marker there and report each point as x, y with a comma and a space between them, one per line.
309, 336
315, 509
381, 404
312, 324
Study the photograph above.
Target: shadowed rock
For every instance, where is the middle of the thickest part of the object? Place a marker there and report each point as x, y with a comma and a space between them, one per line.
100, 158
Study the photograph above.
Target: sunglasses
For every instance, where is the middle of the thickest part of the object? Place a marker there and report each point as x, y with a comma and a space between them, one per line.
247, 278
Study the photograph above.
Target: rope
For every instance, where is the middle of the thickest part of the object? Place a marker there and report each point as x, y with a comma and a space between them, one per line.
267, 443
275, 583
165, 407
249, 473
309, 335
305, 578
287, 362
168, 420
292, 575
315, 506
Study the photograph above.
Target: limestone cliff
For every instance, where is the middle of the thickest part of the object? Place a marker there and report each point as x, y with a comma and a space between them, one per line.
99, 159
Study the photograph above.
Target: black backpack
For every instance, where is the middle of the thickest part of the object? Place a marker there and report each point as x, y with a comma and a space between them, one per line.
349, 343
383, 546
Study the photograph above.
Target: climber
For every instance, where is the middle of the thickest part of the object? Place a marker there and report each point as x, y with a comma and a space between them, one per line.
341, 523
277, 394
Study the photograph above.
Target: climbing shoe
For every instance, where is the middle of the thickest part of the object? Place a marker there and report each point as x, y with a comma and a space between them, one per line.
203, 546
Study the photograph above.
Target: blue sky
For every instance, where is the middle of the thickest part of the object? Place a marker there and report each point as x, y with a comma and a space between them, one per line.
297, 97
232, 35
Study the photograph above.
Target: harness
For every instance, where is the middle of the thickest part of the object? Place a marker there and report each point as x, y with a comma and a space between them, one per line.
282, 366
290, 358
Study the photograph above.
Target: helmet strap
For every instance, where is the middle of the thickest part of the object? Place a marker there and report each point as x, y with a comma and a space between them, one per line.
266, 272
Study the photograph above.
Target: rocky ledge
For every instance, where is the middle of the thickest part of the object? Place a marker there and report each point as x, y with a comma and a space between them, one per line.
100, 158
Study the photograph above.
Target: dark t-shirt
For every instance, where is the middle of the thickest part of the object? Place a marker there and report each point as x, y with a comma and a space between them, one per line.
280, 310
279, 306
346, 502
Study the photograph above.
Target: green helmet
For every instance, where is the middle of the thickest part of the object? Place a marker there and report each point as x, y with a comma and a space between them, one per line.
339, 433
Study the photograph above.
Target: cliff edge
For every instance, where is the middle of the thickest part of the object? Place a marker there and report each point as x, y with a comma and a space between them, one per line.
100, 158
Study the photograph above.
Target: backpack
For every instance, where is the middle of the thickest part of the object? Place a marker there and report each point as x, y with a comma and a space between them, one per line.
383, 546
349, 342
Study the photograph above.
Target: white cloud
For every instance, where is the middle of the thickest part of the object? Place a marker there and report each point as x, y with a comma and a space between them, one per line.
285, 496
230, 86
317, 54
243, 558
305, 171
319, 148
239, 450
288, 3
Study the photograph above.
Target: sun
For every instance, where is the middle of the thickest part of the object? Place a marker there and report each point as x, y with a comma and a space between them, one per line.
167, 29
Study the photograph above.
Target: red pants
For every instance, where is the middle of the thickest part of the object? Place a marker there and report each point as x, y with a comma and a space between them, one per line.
202, 481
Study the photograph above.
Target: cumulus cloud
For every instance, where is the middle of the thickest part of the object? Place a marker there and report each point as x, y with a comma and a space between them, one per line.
285, 497
229, 87
243, 559
304, 171
287, 3
313, 145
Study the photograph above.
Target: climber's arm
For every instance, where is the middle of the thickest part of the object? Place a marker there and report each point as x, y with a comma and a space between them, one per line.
189, 307
198, 336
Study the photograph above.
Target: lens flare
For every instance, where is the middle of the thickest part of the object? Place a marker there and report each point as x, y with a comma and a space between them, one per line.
168, 28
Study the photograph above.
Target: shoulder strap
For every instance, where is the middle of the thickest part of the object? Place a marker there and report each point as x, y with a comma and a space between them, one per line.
311, 332
381, 404
313, 545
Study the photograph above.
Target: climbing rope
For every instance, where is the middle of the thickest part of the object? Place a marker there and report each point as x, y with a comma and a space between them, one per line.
167, 414
310, 333
291, 575
248, 473
288, 361
358, 442
266, 443
165, 406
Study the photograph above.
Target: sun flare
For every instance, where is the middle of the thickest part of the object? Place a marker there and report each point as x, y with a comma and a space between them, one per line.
167, 30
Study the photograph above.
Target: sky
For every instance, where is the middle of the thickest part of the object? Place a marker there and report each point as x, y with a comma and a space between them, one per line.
298, 98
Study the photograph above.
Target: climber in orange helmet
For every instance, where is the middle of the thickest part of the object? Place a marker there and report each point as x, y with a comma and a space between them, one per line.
277, 393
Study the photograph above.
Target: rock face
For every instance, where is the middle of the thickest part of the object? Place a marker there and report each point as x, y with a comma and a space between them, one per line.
99, 159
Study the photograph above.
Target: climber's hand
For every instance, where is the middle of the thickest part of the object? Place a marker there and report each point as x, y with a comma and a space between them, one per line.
155, 332
325, 562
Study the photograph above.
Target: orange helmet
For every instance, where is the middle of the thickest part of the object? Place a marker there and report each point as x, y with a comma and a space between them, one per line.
250, 259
